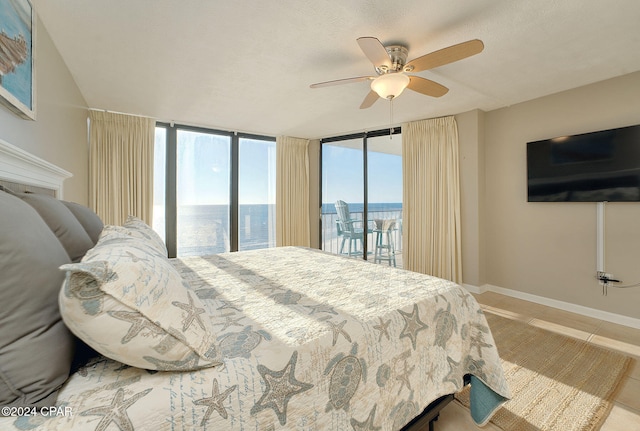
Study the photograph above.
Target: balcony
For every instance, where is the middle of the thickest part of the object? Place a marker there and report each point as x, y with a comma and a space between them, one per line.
331, 240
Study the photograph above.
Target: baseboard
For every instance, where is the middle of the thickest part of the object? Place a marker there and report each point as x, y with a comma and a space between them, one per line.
475, 289
566, 306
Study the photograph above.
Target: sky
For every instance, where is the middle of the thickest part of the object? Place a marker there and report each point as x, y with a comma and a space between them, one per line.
343, 177
204, 163
203, 169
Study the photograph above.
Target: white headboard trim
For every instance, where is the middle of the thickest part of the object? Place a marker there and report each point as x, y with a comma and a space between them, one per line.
19, 166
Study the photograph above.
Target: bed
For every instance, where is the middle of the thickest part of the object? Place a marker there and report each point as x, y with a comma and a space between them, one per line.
285, 338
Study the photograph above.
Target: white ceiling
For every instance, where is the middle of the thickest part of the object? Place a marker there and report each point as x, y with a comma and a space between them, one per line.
247, 65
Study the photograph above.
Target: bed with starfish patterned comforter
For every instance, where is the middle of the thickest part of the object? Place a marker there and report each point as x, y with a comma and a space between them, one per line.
303, 340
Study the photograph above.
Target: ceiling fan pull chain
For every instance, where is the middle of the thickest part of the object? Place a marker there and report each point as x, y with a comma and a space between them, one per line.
391, 119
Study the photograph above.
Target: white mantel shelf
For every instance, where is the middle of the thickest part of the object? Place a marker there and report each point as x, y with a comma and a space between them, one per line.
19, 166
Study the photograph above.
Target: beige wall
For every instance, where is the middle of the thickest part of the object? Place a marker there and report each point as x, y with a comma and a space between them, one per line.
548, 249
59, 134
472, 195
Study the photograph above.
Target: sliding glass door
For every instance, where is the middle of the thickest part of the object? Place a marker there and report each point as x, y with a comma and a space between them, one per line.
365, 172
384, 203
342, 180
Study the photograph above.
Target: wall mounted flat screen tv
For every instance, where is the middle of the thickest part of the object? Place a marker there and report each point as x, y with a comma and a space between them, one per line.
590, 167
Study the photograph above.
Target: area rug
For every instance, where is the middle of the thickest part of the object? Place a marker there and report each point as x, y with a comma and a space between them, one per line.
557, 382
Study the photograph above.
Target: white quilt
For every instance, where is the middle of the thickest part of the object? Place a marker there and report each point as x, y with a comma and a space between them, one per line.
308, 341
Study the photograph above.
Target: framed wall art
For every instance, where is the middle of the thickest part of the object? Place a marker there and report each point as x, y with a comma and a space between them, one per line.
17, 57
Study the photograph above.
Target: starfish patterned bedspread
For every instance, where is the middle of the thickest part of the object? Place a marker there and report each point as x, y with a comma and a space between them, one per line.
307, 341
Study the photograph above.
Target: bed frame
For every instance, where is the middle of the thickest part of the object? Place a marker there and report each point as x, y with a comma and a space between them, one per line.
429, 415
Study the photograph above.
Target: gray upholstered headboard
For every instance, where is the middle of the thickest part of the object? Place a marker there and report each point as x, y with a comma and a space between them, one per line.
39, 233
30, 177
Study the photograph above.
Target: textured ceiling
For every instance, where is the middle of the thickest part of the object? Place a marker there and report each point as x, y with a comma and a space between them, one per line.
247, 65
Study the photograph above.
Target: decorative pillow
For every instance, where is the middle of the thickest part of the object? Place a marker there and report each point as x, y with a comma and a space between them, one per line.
36, 348
139, 229
114, 231
87, 218
62, 222
129, 303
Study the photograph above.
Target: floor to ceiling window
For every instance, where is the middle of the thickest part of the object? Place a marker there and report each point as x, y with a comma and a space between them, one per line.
159, 180
203, 182
257, 194
216, 192
365, 172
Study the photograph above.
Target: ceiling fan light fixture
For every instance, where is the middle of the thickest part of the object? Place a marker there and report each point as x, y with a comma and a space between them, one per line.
390, 85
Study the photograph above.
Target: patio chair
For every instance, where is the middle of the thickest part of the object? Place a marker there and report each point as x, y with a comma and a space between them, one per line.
347, 227
385, 248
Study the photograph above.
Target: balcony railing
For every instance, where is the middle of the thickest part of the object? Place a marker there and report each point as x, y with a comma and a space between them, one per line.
331, 240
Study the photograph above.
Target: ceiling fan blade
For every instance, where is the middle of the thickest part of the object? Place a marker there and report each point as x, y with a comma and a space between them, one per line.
445, 56
369, 100
375, 51
426, 86
341, 81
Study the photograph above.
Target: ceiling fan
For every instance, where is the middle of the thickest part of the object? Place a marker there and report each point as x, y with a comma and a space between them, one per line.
391, 66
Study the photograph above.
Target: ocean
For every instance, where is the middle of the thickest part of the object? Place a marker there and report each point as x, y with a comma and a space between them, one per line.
330, 208
204, 229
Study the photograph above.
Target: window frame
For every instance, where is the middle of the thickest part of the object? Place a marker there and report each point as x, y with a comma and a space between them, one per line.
171, 198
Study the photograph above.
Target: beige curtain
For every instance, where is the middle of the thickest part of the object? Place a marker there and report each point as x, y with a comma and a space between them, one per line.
431, 198
292, 192
121, 166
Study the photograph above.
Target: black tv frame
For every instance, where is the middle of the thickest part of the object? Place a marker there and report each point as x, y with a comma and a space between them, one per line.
600, 166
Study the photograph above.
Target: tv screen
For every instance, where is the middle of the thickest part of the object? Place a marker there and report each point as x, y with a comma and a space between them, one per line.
590, 167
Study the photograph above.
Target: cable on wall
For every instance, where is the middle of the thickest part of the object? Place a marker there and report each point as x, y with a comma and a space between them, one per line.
603, 277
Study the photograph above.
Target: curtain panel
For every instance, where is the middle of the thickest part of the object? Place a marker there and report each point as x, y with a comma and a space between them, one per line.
292, 192
431, 198
121, 166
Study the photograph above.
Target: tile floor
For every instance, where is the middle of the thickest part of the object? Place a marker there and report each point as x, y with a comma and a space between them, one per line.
625, 415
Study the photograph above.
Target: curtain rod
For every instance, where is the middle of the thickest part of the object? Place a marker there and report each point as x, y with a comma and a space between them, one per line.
370, 134
121, 113
213, 128
193, 125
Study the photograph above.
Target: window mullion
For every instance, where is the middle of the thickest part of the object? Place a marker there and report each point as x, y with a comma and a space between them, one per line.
365, 193
233, 197
171, 206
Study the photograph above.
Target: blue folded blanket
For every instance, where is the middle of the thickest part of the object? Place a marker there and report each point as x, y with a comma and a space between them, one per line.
483, 401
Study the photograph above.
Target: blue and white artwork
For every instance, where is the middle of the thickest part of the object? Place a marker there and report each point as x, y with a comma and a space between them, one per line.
16, 55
